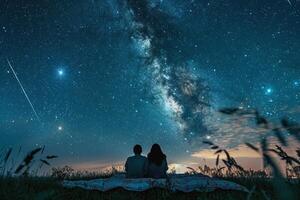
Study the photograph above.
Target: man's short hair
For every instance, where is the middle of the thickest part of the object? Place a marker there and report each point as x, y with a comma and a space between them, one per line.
137, 149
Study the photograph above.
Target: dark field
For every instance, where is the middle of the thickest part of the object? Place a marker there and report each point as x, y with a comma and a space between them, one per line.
48, 188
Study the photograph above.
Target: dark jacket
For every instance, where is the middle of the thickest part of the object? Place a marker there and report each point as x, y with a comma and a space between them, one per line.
136, 166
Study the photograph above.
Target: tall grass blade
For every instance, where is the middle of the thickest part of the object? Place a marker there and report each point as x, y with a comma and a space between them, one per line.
280, 136
7, 155
51, 157
217, 160
208, 142
252, 147
45, 162
227, 154
218, 151
29, 157
292, 128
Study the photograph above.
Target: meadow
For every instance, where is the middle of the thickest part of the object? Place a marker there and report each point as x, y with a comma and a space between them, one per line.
51, 188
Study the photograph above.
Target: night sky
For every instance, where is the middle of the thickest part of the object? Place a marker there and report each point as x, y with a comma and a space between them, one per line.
99, 76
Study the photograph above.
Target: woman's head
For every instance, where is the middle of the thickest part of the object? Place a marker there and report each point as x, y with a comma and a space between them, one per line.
156, 155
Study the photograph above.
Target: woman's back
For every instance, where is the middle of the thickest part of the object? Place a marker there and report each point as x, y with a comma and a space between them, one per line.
157, 163
156, 171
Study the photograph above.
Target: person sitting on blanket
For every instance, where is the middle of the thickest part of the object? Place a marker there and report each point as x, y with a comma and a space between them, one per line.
136, 166
157, 163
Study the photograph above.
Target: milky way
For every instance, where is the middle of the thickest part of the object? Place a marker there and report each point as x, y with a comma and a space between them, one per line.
178, 89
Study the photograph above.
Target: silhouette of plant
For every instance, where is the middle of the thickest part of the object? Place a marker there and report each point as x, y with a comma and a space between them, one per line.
28, 163
285, 126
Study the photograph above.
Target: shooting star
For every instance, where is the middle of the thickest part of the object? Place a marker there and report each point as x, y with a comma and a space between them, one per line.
24, 92
289, 1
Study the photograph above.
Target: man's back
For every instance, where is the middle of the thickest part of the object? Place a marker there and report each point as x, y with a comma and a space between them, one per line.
136, 166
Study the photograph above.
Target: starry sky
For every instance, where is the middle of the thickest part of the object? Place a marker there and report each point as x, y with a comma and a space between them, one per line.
89, 79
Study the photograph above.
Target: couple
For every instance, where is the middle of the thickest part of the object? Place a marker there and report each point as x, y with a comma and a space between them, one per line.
154, 166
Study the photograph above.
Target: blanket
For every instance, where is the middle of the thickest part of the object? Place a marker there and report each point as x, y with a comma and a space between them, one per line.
183, 183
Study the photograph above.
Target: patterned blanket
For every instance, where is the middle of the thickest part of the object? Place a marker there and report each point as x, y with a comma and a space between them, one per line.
183, 183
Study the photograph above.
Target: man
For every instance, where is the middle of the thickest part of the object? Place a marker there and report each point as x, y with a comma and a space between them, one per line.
136, 166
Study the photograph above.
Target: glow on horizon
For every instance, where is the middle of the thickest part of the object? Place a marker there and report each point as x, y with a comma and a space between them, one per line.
238, 152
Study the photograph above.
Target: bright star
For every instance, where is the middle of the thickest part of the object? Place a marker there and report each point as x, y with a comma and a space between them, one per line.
60, 128
296, 83
60, 72
268, 91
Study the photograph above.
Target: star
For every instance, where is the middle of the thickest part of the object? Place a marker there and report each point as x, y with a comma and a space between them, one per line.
268, 90
61, 72
59, 128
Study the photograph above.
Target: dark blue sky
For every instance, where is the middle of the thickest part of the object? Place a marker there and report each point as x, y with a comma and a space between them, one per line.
104, 75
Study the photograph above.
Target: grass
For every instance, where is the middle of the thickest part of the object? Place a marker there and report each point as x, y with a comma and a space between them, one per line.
24, 181
48, 188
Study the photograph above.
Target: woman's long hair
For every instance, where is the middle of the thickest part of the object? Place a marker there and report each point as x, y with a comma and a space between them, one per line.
156, 155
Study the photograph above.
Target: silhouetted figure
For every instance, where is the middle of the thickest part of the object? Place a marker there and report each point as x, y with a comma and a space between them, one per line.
157, 163
136, 166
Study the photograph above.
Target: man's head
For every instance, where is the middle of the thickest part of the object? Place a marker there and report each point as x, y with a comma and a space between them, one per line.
137, 149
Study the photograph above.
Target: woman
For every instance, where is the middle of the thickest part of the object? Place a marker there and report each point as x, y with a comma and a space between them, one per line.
157, 163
